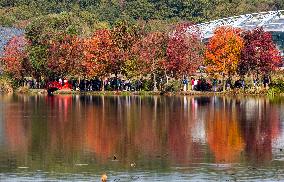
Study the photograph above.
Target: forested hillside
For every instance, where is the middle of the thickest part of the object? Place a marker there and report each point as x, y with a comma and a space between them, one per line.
20, 12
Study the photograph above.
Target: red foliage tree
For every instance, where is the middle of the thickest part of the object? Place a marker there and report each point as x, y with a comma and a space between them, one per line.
151, 52
14, 58
184, 51
65, 56
259, 55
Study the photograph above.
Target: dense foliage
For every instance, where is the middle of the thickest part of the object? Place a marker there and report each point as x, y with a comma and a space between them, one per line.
259, 55
224, 50
133, 53
135, 39
14, 60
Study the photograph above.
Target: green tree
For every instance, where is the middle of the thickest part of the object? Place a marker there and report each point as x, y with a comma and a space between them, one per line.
140, 9
46, 29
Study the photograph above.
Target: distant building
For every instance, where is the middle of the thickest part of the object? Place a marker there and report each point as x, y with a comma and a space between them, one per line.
272, 21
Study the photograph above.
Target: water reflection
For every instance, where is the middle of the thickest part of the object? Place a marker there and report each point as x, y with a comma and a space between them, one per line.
261, 125
58, 133
223, 133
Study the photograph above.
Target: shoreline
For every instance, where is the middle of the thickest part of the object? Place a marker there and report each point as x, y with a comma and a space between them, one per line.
152, 93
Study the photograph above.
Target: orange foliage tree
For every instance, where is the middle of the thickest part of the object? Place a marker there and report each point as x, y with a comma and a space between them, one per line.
223, 51
99, 51
65, 56
107, 50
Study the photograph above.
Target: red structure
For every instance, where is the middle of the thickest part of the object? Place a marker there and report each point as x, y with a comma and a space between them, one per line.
55, 85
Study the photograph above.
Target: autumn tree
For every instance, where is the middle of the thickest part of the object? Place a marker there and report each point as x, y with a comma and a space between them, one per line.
110, 52
65, 56
184, 51
45, 30
14, 60
124, 37
132, 68
151, 51
224, 51
99, 54
259, 55
224, 136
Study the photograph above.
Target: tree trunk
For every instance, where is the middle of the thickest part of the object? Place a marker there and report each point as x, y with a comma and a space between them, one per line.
252, 79
155, 83
103, 84
224, 83
167, 78
116, 81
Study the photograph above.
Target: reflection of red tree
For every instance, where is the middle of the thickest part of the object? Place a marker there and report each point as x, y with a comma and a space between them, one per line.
61, 124
16, 129
275, 122
102, 130
224, 137
15, 133
146, 135
180, 143
260, 132
182, 119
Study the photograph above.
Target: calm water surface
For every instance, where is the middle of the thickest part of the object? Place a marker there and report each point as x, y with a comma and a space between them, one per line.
75, 138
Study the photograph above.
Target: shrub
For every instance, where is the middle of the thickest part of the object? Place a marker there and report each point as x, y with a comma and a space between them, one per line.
23, 90
276, 87
173, 86
147, 85
6, 85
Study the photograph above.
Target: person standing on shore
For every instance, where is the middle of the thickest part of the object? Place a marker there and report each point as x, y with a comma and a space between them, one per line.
214, 83
192, 83
265, 81
185, 84
195, 84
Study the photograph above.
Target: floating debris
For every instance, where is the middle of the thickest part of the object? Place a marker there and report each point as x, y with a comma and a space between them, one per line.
81, 164
23, 167
114, 158
133, 164
104, 178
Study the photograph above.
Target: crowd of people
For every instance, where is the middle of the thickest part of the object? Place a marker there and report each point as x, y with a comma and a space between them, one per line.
111, 84
201, 84
118, 84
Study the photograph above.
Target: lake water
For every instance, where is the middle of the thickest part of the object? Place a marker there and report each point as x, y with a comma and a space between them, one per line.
141, 138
